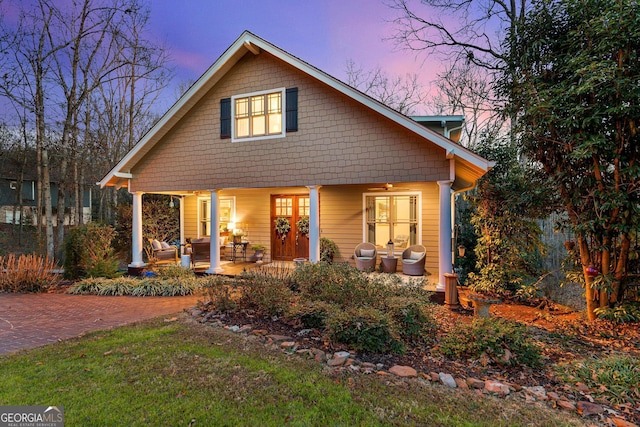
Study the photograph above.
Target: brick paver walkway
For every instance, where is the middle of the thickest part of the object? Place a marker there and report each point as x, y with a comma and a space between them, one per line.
31, 320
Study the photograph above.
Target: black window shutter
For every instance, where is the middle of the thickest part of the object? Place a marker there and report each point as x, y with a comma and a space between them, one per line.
292, 109
225, 118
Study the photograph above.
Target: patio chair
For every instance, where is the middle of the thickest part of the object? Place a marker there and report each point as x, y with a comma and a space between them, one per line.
163, 253
365, 255
200, 251
413, 259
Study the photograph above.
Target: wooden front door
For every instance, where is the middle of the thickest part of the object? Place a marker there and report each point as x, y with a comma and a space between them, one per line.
295, 243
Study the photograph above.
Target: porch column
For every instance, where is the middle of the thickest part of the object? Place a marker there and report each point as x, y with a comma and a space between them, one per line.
445, 264
314, 223
182, 241
136, 231
214, 244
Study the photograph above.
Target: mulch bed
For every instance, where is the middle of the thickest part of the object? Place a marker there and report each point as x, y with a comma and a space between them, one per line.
565, 335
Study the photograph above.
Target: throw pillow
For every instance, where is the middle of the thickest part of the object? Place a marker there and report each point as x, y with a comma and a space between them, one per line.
367, 252
416, 255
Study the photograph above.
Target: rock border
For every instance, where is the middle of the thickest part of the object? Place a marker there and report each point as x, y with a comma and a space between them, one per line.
344, 360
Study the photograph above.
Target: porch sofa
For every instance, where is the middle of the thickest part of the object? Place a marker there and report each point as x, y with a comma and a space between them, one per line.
163, 253
201, 250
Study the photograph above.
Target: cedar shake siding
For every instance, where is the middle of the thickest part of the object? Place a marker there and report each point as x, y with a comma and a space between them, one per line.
338, 141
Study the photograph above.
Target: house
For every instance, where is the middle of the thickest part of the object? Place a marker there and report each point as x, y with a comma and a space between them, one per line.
263, 136
9, 203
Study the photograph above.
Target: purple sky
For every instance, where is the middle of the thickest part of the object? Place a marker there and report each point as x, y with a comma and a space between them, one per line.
324, 33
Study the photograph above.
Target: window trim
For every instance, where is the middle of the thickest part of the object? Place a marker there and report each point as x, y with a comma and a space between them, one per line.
283, 113
199, 211
418, 195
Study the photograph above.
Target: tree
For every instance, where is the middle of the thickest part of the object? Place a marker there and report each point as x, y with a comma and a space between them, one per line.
402, 94
573, 85
505, 206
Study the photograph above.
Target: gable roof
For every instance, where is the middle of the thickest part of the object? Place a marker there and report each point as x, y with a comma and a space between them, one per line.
474, 165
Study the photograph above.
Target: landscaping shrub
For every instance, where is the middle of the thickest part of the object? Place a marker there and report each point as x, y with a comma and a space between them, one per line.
337, 283
135, 286
616, 378
492, 338
221, 292
328, 250
412, 318
88, 252
174, 272
313, 314
26, 273
265, 291
624, 313
365, 329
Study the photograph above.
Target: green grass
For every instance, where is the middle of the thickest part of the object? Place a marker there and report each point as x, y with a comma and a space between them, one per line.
168, 373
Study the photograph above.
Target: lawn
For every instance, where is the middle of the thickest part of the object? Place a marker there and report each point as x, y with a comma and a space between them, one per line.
183, 373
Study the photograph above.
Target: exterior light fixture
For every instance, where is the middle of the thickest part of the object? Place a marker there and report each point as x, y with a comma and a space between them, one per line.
390, 247
461, 251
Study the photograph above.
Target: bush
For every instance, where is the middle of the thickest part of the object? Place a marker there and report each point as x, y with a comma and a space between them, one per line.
135, 286
328, 250
220, 291
88, 252
628, 312
413, 319
617, 378
364, 328
27, 273
313, 314
265, 291
492, 338
338, 284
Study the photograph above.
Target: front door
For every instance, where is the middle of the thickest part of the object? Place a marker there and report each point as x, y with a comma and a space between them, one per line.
287, 211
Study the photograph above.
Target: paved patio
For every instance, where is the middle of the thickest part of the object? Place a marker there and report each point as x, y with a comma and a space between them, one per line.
32, 320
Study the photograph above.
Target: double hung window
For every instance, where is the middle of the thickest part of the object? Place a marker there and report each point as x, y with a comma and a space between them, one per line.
258, 115
392, 217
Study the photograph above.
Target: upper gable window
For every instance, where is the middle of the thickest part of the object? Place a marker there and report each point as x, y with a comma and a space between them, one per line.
258, 115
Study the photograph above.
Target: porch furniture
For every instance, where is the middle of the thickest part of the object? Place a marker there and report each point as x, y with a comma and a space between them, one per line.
389, 264
163, 253
242, 248
365, 255
200, 251
413, 259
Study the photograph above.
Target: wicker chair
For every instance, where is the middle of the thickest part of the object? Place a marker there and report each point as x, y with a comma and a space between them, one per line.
163, 253
366, 256
413, 259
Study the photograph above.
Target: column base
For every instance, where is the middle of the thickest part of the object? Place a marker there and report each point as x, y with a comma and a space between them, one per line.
214, 270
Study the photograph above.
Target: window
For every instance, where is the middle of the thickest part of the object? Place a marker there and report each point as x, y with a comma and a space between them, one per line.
227, 213
258, 115
392, 217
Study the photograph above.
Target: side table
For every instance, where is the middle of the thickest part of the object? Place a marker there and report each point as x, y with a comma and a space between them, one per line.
389, 264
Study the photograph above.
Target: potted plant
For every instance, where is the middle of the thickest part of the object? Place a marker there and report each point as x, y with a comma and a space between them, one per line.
237, 236
259, 252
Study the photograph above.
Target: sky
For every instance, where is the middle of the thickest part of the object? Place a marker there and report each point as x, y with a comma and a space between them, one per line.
324, 33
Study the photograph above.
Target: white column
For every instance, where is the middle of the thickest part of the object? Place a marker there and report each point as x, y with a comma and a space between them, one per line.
445, 264
314, 223
181, 225
214, 247
136, 231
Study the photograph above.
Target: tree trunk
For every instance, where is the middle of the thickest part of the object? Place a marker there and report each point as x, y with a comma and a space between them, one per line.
585, 258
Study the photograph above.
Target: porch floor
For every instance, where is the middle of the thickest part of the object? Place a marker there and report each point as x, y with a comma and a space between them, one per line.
232, 269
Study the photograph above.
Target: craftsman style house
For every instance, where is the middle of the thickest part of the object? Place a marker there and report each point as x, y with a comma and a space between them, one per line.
264, 139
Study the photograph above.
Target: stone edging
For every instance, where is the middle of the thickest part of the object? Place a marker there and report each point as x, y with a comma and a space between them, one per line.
344, 360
